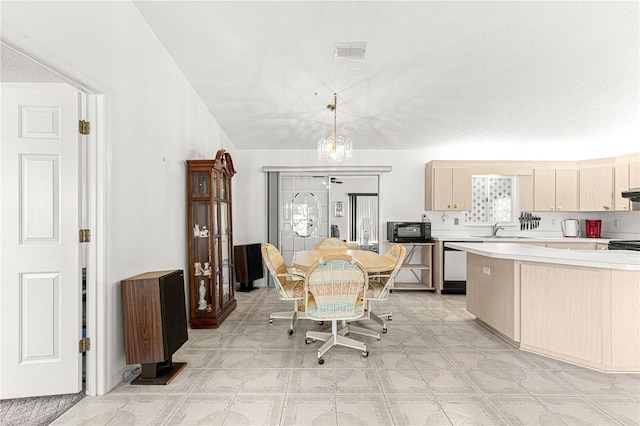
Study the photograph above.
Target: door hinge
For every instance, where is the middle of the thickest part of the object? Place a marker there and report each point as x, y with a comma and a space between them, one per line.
85, 235
84, 127
85, 344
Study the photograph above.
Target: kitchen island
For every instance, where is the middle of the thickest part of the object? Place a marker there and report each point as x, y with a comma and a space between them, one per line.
580, 306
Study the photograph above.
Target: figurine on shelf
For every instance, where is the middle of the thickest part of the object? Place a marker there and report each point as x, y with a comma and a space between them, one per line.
198, 269
204, 232
196, 230
202, 303
207, 269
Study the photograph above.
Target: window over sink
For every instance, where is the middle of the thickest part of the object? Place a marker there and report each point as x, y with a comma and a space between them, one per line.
494, 199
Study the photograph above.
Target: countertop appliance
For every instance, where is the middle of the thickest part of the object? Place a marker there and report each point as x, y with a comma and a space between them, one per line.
592, 227
409, 232
454, 269
570, 227
633, 245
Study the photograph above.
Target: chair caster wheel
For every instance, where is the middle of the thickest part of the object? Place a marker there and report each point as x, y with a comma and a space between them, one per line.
270, 321
320, 361
378, 336
308, 341
290, 332
365, 354
389, 318
384, 330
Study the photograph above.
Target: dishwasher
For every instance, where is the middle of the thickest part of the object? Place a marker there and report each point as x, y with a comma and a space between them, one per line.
454, 269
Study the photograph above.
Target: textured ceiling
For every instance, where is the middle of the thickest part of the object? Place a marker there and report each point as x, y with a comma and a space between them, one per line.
434, 73
16, 68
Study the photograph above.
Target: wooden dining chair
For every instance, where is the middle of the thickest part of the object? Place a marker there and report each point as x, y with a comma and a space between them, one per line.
331, 243
379, 287
289, 285
334, 290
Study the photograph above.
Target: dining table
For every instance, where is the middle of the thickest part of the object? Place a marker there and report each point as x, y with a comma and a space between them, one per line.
370, 260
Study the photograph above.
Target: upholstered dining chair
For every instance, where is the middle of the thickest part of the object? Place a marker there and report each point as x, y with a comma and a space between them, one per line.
331, 243
334, 291
289, 284
379, 287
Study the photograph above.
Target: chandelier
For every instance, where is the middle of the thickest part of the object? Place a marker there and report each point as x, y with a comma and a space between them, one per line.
338, 148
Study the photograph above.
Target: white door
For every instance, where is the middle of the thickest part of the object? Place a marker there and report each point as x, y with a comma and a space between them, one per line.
40, 287
303, 216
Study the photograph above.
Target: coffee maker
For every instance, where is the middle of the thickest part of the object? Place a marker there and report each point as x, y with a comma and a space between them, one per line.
592, 227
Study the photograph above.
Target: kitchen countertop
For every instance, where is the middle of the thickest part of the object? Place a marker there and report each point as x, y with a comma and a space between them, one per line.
608, 259
516, 238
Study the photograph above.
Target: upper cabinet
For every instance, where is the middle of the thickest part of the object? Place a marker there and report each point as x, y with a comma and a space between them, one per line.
447, 188
627, 175
555, 190
596, 188
553, 186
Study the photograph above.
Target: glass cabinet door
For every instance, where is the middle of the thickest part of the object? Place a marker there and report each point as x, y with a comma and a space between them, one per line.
225, 246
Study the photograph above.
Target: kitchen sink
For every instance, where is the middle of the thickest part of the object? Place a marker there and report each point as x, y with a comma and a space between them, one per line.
506, 237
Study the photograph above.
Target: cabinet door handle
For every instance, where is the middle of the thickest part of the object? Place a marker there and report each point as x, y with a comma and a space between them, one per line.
455, 206
448, 206
559, 208
605, 207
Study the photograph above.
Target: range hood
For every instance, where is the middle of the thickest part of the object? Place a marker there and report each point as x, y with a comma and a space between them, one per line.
633, 194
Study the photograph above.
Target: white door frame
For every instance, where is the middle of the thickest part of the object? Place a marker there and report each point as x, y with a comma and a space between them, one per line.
93, 185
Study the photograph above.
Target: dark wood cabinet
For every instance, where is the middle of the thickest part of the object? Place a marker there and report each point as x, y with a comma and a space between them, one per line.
154, 319
212, 296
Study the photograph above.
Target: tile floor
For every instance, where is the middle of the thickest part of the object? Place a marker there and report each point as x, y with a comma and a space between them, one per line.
436, 365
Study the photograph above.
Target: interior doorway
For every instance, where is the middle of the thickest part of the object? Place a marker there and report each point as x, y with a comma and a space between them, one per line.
44, 68
307, 206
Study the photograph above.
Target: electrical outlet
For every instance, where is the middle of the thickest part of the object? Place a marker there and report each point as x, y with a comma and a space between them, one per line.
616, 223
486, 270
456, 221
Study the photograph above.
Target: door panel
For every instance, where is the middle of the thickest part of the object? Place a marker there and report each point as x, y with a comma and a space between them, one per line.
303, 217
40, 295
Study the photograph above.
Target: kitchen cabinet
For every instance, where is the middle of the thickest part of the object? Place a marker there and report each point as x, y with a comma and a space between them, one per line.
491, 294
555, 189
596, 188
211, 295
626, 175
447, 188
421, 270
525, 193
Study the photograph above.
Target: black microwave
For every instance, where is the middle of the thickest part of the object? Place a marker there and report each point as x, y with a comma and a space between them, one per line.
409, 232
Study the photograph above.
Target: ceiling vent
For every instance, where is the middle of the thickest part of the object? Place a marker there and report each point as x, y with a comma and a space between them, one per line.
352, 50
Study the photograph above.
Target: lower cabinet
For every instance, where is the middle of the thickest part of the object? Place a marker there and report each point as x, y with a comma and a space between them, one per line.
587, 316
491, 295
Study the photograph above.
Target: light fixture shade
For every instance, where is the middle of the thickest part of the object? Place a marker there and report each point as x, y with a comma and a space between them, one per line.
335, 150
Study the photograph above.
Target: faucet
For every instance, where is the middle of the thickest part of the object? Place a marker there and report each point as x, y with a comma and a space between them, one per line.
494, 230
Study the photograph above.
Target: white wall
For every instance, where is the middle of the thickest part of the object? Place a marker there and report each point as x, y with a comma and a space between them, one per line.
401, 192
154, 122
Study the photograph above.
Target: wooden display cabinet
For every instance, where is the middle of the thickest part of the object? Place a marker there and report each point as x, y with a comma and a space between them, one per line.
211, 295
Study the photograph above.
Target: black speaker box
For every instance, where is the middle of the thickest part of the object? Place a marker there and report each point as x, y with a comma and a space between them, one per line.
248, 265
